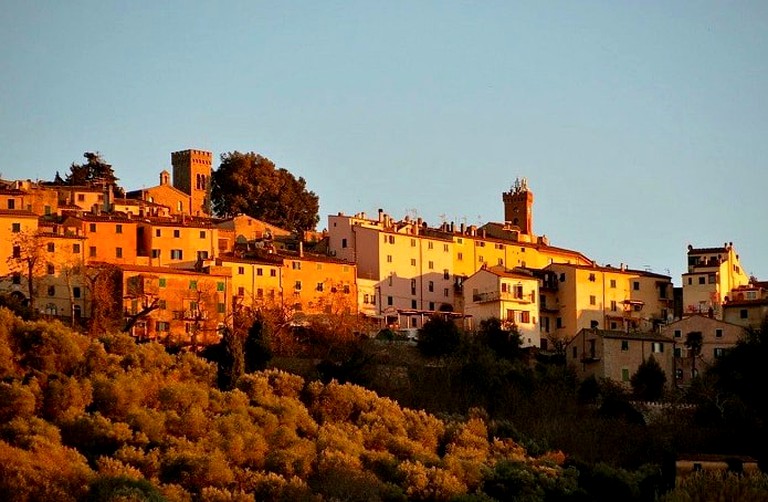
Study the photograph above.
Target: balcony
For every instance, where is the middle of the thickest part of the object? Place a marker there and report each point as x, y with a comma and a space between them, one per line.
194, 315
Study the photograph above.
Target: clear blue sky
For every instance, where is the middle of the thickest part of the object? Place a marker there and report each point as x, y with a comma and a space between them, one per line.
641, 126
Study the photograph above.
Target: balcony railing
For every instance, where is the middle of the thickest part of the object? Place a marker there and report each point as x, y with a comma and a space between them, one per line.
493, 296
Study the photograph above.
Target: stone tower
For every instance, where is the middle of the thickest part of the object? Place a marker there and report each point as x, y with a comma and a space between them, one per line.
518, 207
192, 175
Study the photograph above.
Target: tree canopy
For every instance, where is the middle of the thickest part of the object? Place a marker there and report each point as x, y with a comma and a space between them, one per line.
95, 169
251, 184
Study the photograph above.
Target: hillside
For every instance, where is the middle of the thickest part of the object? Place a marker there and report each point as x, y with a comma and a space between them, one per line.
108, 419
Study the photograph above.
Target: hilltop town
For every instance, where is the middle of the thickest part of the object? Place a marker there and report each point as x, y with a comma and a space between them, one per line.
170, 270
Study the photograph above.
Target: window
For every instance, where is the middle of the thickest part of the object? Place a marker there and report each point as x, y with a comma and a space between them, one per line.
345, 288
413, 243
75, 248
575, 353
413, 286
613, 283
562, 277
712, 278
155, 253
15, 228
430, 245
657, 347
51, 290
431, 305
614, 307
118, 229
297, 286
240, 291
389, 300
413, 262
11, 204
480, 259
431, 286
193, 285
525, 317
614, 325
389, 258
718, 333
678, 333
162, 305
176, 254
221, 308
625, 345
51, 247
460, 256
517, 291
592, 300
162, 282
202, 255
47, 210
690, 281
319, 286
592, 278
296, 265
743, 314
240, 270
273, 273
76, 292
636, 285
445, 292
92, 227
50, 269
343, 243
431, 265
158, 232
413, 304
391, 239
445, 248
594, 324
702, 280
176, 233
162, 326
202, 234
719, 352
17, 251
559, 322
678, 374
92, 251
500, 261
118, 252
625, 374
219, 286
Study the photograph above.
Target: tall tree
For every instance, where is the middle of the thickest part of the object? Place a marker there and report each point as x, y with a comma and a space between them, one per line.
648, 382
251, 184
95, 169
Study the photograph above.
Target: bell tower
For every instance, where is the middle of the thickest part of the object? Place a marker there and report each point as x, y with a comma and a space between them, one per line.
518, 206
192, 175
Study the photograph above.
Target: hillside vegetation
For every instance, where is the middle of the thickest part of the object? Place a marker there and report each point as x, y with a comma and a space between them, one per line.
107, 419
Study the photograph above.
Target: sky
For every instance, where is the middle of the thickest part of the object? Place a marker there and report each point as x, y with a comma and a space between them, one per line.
641, 127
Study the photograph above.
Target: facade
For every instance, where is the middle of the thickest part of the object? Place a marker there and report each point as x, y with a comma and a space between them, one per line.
712, 274
509, 295
191, 305
617, 355
577, 297
717, 337
176, 242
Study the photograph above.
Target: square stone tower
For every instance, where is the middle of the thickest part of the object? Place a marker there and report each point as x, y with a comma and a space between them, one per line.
518, 207
192, 175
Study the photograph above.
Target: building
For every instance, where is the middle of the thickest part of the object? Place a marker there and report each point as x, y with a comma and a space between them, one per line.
712, 274
576, 297
176, 306
509, 295
617, 355
717, 337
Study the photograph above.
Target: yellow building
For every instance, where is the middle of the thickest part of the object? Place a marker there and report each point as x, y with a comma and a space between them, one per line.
111, 238
256, 282
315, 284
617, 299
176, 242
166, 195
409, 266
242, 229
191, 306
712, 274
509, 295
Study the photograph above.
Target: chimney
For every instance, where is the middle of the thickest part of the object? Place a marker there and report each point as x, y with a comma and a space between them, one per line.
381, 215
109, 198
462, 229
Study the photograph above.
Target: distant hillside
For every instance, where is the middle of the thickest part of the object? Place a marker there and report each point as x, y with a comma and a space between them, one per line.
107, 419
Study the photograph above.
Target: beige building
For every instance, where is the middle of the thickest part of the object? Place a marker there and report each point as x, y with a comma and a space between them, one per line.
509, 295
576, 297
717, 337
617, 355
712, 274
